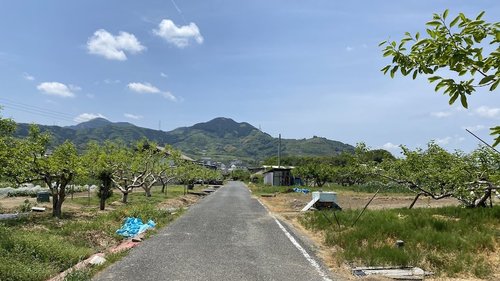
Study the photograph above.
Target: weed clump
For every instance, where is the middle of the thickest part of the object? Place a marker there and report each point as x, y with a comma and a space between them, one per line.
451, 241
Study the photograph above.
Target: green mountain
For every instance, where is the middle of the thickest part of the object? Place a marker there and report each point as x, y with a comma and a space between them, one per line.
221, 139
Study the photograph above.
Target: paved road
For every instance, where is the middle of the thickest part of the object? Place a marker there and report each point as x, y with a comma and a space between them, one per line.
226, 236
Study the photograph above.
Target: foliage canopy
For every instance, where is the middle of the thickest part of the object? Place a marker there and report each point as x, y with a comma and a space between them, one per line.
466, 47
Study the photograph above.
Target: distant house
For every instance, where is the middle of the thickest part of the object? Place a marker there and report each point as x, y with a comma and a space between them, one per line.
278, 176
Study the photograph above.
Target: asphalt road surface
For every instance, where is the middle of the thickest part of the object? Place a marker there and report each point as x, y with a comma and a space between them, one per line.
226, 236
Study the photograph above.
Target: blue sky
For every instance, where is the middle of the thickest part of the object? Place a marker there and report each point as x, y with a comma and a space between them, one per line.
299, 68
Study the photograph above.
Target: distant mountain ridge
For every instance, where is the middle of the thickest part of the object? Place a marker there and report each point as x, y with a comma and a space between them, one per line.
221, 139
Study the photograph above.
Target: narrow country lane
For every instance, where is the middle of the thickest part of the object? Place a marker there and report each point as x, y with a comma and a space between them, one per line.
227, 236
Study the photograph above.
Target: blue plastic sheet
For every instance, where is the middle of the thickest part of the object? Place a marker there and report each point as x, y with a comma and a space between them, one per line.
134, 226
301, 190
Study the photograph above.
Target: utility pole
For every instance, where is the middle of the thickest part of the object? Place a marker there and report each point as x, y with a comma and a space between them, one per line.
279, 151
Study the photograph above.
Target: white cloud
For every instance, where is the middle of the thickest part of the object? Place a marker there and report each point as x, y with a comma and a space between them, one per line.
474, 128
143, 88
28, 77
163, 75
133, 116
56, 89
169, 96
179, 36
111, 81
349, 48
146, 88
441, 114
112, 47
390, 146
443, 141
488, 112
87, 116
90, 96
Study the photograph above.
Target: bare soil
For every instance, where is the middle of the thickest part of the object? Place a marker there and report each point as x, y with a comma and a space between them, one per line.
294, 202
179, 202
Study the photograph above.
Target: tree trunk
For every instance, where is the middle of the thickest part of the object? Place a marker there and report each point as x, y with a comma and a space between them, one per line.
125, 197
58, 210
163, 187
102, 200
55, 202
148, 192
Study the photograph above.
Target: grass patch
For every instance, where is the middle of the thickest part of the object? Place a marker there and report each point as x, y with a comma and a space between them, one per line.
370, 187
451, 241
38, 246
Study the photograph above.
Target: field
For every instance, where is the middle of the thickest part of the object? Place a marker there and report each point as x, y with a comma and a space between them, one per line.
440, 236
37, 246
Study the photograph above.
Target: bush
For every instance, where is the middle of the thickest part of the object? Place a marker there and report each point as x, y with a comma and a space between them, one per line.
25, 207
240, 175
257, 178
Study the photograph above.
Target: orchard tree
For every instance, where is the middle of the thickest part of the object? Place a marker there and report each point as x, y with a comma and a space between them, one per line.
316, 173
126, 173
463, 47
146, 163
438, 174
167, 168
484, 164
30, 160
100, 162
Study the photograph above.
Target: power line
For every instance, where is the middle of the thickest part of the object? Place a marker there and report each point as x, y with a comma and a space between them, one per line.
35, 110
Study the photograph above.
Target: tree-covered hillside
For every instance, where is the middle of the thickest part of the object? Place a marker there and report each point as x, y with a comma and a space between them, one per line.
221, 139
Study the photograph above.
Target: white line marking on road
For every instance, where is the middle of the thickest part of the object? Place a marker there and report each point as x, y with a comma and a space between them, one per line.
308, 257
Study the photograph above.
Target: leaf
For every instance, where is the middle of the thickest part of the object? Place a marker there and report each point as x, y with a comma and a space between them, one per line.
495, 131
434, 78
463, 100
385, 69
454, 21
418, 35
494, 85
445, 14
393, 71
440, 85
415, 73
486, 79
431, 33
434, 23
462, 16
382, 43
453, 98
480, 15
